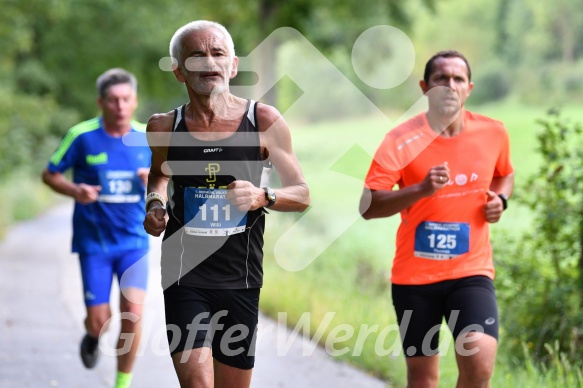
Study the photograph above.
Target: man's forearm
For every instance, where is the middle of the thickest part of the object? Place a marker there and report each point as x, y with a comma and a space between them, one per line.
59, 183
292, 198
503, 185
157, 183
385, 203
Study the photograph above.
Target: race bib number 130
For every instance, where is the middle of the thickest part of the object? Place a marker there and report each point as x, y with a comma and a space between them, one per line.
208, 212
442, 240
119, 186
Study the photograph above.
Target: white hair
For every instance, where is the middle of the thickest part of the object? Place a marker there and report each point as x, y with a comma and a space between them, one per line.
198, 25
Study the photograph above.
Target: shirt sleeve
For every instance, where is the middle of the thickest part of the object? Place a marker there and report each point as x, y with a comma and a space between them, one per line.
385, 170
504, 164
66, 155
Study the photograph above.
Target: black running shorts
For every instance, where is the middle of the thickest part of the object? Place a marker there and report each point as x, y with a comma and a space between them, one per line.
467, 304
224, 320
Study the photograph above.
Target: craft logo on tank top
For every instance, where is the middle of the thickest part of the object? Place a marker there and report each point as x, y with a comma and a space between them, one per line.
207, 150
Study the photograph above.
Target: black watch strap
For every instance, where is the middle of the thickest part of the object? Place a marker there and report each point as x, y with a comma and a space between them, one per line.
504, 199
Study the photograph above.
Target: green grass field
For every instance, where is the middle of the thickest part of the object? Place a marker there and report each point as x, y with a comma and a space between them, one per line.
329, 260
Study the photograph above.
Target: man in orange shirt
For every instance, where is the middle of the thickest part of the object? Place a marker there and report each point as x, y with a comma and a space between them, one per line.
454, 176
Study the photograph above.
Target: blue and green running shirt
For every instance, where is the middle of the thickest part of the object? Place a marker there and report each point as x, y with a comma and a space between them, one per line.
114, 223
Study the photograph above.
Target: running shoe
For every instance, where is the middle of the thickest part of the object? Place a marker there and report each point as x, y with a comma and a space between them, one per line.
89, 351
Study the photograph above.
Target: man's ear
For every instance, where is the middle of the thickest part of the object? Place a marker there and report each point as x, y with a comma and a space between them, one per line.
178, 74
423, 86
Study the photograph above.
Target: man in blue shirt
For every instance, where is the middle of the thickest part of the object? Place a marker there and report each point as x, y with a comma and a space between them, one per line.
108, 185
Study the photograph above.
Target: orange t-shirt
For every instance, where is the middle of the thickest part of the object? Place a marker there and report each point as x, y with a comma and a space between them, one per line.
444, 236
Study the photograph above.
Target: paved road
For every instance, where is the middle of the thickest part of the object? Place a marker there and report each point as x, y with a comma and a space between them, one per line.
41, 313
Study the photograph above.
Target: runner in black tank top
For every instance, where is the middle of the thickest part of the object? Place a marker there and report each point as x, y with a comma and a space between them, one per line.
208, 198
218, 253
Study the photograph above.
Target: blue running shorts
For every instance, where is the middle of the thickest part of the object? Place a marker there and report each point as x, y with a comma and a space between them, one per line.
131, 268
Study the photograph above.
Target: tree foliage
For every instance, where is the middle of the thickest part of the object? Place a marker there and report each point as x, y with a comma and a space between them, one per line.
53, 50
541, 277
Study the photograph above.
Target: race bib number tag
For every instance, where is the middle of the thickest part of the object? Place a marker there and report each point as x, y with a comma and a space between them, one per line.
119, 186
208, 212
442, 240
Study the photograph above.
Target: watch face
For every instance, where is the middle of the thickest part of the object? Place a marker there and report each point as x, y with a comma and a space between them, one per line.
270, 196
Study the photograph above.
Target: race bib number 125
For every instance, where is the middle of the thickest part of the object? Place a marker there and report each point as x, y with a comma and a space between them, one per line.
442, 240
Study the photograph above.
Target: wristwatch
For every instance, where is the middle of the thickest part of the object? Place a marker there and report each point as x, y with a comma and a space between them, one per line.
504, 199
270, 196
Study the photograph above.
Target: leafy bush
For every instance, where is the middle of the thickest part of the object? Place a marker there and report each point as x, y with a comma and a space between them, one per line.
541, 280
30, 128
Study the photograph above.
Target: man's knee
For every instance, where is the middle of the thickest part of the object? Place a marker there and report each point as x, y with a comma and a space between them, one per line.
131, 306
476, 369
477, 358
194, 367
422, 371
415, 381
131, 317
477, 376
132, 309
97, 319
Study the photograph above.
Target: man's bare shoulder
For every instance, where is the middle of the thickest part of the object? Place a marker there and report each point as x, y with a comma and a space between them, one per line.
160, 122
267, 116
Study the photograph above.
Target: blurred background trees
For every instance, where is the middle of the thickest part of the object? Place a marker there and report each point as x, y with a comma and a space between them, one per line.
53, 50
522, 52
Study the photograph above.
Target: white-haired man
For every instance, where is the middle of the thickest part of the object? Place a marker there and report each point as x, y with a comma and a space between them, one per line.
205, 192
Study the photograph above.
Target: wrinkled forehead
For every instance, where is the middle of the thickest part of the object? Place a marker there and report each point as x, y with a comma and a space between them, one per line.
210, 39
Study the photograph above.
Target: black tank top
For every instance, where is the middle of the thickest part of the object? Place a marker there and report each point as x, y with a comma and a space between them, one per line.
208, 243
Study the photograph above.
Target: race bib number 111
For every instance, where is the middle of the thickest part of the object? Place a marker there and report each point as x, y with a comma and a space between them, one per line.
208, 212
